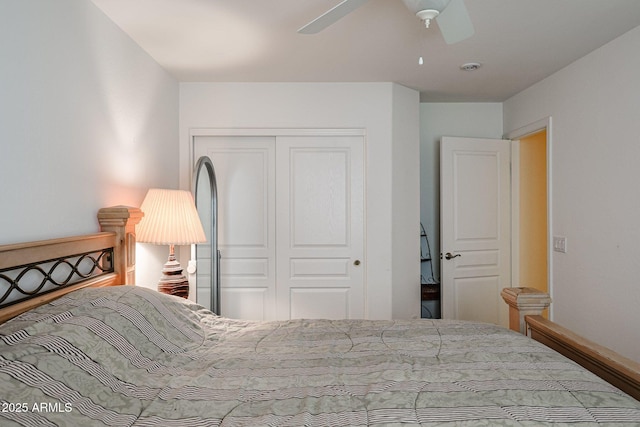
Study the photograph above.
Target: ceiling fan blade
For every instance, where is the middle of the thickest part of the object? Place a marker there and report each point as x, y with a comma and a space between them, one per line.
336, 13
455, 23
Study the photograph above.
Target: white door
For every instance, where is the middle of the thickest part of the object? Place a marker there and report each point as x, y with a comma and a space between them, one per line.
306, 260
320, 222
475, 221
245, 172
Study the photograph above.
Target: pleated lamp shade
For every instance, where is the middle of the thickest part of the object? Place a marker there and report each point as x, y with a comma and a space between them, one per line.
170, 218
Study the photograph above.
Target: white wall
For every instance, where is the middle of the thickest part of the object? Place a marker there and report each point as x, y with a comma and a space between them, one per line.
481, 120
595, 107
87, 120
367, 106
406, 203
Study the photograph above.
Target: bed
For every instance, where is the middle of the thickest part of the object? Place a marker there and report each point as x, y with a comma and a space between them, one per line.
98, 350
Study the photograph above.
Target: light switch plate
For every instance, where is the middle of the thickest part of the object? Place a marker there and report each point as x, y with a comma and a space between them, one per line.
560, 244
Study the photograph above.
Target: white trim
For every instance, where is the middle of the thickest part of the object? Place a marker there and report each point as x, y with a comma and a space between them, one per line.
515, 212
537, 126
277, 132
529, 129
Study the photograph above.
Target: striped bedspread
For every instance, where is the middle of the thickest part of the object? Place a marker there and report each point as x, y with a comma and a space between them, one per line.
130, 356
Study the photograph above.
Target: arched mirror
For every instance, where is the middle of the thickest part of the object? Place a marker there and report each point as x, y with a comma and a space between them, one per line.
207, 255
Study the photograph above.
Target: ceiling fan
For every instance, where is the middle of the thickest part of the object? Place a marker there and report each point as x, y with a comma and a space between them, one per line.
451, 15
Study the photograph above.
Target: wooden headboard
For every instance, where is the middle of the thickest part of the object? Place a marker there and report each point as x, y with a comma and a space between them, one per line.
34, 273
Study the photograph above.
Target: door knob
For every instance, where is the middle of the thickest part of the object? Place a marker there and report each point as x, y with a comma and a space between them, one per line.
449, 255
356, 262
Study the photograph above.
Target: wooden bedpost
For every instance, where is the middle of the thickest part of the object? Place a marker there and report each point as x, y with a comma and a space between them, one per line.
523, 302
122, 220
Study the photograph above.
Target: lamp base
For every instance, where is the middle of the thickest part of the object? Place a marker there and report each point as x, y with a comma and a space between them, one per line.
173, 282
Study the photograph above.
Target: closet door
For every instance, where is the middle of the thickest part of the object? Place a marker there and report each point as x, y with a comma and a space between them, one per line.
320, 223
245, 169
290, 225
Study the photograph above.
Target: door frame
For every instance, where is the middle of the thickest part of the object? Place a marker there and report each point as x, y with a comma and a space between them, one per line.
515, 135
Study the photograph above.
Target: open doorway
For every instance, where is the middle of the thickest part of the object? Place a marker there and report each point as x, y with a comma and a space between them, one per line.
532, 241
531, 207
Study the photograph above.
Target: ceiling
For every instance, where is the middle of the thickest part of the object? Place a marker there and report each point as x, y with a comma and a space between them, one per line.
518, 42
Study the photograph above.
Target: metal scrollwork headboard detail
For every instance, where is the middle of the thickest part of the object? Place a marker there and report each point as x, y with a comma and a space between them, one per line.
21, 282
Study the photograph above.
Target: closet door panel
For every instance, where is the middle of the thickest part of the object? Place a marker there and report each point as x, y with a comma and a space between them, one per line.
319, 303
319, 192
245, 168
320, 226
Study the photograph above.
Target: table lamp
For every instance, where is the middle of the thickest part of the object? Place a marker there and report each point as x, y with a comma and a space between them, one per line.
170, 218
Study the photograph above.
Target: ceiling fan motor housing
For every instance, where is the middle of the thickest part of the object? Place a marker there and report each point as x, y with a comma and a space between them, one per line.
426, 10
427, 15
416, 6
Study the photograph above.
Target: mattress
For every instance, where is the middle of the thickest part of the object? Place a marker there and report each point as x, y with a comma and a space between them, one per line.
130, 356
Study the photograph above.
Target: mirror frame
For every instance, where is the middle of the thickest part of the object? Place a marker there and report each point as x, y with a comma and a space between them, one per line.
206, 162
